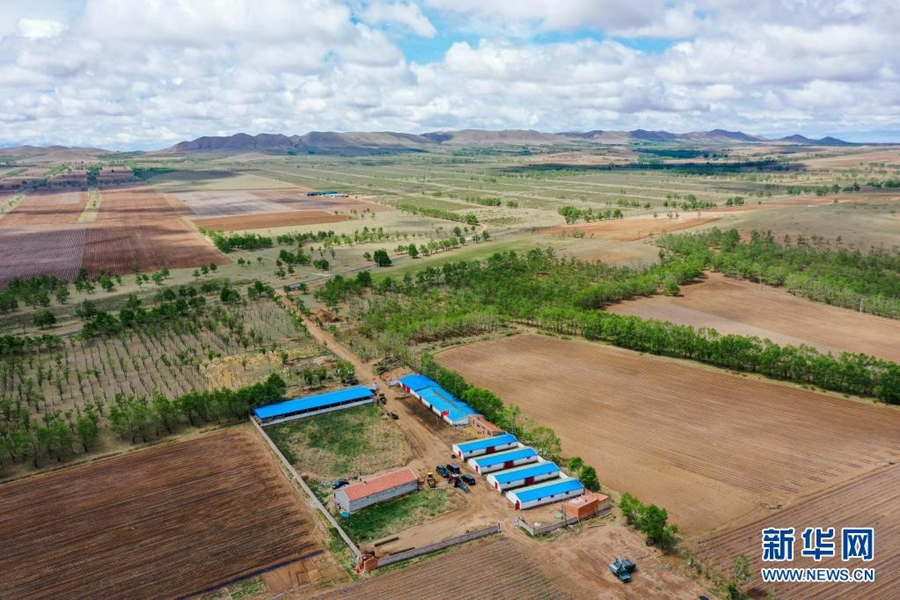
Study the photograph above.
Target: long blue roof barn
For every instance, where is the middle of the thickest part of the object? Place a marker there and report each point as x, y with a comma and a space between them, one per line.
542, 468
440, 399
490, 442
490, 460
312, 402
542, 490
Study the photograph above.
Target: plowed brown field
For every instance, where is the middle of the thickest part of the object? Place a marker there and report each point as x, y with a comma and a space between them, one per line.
166, 522
41, 208
140, 202
744, 308
267, 220
298, 200
115, 246
871, 501
707, 445
628, 230
29, 252
491, 570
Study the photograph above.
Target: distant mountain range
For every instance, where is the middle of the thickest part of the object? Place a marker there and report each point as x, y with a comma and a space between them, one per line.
386, 142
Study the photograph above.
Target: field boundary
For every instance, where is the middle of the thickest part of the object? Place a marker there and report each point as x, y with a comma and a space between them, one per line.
415, 552
312, 497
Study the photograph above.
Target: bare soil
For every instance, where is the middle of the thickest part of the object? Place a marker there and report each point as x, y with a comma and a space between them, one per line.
151, 244
226, 203
629, 230
166, 522
268, 220
42, 208
707, 445
33, 251
744, 308
870, 501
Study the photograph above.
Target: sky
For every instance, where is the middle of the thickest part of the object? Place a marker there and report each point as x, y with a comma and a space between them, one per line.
145, 74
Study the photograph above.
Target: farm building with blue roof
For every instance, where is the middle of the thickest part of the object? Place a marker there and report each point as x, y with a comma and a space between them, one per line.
523, 476
437, 399
503, 460
497, 443
545, 493
309, 406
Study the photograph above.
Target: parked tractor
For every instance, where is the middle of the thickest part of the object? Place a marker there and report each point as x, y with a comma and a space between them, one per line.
430, 480
622, 569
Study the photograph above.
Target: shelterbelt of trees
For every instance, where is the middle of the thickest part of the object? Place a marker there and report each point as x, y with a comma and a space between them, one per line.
58, 436
539, 289
805, 267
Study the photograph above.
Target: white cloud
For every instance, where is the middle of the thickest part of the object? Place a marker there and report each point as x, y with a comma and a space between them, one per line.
154, 72
39, 29
405, 14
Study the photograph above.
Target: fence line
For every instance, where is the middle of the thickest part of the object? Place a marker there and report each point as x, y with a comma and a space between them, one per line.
408, 554
312, 497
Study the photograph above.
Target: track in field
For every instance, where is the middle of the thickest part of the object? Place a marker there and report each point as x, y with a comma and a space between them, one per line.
707, 445
872, 501
491, 570
165, 522
744, 308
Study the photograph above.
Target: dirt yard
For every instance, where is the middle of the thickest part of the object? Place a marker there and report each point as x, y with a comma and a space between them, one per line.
707, 445
870, 501
268, 220
166, 522
745, 308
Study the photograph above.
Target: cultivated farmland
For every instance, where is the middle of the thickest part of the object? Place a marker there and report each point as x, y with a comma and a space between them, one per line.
29, 252
41, 209
490, 570
707, 445
226, 203
166, 522
744, 308
150, 244
268, 220
870, 501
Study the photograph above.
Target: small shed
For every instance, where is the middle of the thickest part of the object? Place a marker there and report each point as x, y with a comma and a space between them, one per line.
483, 426
355, 497
491, 445
586, 506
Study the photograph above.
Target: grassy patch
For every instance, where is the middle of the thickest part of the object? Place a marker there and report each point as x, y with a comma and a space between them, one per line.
247, 588
356, 441
394, 516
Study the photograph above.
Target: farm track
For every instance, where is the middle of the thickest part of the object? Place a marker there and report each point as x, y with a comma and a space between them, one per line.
871, 501
707, 445
494, 569
165, 522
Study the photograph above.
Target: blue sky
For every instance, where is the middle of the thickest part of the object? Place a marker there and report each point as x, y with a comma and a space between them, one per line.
151, 73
